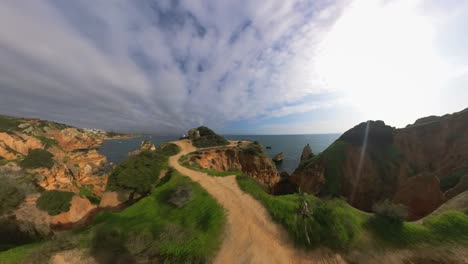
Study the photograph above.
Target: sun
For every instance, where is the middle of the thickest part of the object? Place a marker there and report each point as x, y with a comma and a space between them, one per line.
381, 55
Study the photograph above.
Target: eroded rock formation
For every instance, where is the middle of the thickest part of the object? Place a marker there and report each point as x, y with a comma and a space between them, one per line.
247, 157
372, 162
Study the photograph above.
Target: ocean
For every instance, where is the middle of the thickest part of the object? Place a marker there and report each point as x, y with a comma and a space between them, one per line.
116, 150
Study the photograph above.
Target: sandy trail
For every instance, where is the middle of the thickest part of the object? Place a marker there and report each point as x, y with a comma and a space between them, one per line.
251, 236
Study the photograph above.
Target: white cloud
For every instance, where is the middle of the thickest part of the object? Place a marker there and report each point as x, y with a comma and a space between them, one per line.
158, 66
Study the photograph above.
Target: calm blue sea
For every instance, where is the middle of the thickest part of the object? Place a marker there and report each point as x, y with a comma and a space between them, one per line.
116, 150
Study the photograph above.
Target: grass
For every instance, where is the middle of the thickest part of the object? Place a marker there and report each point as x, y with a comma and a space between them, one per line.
169, 149
334, 223
54, 202
444, 228
18, 254
337, 225
8, 123
37, 158
48, 142
184, 162
87, 191
155, 229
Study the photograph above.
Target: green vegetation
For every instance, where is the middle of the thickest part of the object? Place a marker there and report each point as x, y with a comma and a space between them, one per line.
87, 191
451, 181
333, 222
10, 195
446, 227
208, 138
169, 149
54, 202
38, 158
155, 229
395, 213
255, 149
184, 162
17, 254
48, 142
8, 123
139, 174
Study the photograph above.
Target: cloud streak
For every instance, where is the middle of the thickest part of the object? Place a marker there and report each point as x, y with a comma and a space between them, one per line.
160, 66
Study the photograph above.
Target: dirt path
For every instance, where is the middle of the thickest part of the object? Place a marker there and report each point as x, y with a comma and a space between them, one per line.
251, 236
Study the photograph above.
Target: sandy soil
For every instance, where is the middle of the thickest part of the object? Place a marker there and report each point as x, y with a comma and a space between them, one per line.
251, 236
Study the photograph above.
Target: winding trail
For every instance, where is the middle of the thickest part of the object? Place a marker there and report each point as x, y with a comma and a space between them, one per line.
250, 236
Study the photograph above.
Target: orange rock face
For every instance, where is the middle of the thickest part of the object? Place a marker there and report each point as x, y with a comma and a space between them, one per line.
391, 164
261, 168
72, 139
17, 142
80, 209
421, 194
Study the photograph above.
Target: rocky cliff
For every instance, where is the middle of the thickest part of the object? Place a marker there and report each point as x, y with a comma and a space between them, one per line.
71, 163
245, 156
420, 166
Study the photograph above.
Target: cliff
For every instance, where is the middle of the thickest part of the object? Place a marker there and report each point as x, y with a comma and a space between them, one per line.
419, 166
41, 155
247, 157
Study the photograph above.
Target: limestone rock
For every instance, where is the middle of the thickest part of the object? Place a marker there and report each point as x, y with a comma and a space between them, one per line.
306, 153
193, 133
421, 194
256, 165
278, 157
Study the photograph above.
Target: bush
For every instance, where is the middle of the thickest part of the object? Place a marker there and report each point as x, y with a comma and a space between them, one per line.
154, 231
255, 149
48, 142
333, 223
10, 196
208, 138
8, 123
87, 191
38, 158
169, 149
396, 213
336, 227
54, 202
139, 174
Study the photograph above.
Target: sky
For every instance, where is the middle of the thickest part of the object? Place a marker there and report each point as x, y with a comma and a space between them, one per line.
239, 67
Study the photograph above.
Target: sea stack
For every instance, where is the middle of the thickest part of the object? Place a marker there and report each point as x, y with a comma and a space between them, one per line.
278, 157
307, 153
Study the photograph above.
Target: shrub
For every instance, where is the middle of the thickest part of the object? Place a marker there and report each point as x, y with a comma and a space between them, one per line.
54, 202
208, 138
48, 142
169, 149
336, 227
8, 123
396, 213
333, 223
138, 174
87, 191
38, 158
451, 181
10, 196
255, 149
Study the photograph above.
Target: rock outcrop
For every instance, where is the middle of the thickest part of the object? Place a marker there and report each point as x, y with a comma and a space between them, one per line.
373, 162
250, 158
145, 145
278, 157
307, 153
421, 193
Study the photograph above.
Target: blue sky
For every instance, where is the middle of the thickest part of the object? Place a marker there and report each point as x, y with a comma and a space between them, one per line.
261, 67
